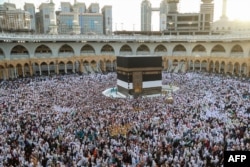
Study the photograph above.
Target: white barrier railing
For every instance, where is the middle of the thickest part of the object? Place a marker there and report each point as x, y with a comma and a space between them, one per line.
7, 37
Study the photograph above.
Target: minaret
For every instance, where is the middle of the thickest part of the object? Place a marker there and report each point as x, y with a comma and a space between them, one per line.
76, 26
224, 10
173, 6
163, 15
146, 14
52, 16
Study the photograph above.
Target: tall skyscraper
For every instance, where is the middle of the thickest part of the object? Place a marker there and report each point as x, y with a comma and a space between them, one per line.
107, 19
92, 23
171, 21
66, 7
163, 14
82, 9
71, 19
14, 20
76, 27
173, 6
77, 19
53, 21
146, 15
65, 18
224, 10
45, 13
94, 8
30, 7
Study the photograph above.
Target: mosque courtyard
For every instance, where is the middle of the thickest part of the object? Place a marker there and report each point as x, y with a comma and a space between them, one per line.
66, 120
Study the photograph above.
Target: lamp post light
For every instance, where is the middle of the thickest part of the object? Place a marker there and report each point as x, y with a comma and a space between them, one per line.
170, 27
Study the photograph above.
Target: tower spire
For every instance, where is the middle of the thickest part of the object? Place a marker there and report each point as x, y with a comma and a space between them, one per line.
76, 26
224, 10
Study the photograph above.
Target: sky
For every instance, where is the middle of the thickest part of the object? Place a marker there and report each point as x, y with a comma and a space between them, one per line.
126, 13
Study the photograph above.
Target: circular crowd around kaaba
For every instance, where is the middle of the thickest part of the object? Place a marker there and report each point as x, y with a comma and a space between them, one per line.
66, 121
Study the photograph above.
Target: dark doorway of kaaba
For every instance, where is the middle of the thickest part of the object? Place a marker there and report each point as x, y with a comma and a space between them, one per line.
137, 83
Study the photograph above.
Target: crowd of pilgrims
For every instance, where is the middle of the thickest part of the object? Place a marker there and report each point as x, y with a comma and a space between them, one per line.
65, 120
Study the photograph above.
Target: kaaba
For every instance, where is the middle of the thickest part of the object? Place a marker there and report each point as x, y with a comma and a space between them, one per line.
139, 75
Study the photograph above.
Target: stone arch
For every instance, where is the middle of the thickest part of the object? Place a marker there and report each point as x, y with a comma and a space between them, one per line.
102, 66
85, 62
230, 68
43, 51
26, 69
11, 71
191, 65
88, 49
86, 66
93, 64
78, 66
65, 51
174, 66
69, 67
204, 64
236, 51
182, 67
61, 67
179, 50
143, 50
19, 70
2, 73
217, 66
211, 66
160, 50
218, 50
125, 50
237, 70
199, 50
107, 49
36, 68
52, 68
222, 67
197, 65
109, 65
44, 68
244, 70
19, 52
175, 62
2, 56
